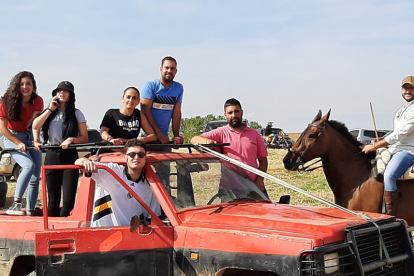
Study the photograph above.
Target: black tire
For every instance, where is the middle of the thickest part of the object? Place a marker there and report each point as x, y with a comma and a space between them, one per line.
16, 171
3, 193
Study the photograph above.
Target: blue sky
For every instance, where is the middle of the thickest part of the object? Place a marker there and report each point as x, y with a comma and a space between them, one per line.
284, 60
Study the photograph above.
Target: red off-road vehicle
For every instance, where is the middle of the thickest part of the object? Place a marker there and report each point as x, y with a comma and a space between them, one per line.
214, 222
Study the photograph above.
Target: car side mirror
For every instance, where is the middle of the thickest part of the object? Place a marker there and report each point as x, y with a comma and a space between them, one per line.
284, 199
198, 167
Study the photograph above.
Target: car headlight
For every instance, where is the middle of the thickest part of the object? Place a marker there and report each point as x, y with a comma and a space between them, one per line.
331, 262
5, 160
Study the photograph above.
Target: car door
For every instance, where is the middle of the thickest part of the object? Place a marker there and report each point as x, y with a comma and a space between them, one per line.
69, 246
105, 251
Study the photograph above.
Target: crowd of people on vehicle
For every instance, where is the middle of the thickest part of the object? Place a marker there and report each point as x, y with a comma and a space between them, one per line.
23, 117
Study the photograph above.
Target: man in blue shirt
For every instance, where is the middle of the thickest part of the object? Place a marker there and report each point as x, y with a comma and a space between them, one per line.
161, 101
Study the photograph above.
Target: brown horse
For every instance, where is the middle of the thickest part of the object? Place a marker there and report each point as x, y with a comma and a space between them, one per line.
347, 169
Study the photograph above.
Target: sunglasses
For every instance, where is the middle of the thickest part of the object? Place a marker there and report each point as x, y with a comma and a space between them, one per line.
133, 154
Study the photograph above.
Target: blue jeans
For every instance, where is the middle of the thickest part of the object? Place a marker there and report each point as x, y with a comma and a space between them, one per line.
31, 163
397, 166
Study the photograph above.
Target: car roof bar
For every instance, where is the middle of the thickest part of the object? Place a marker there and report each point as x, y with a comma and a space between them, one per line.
89, 147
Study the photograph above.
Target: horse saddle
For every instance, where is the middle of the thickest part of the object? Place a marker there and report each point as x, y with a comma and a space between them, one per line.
382, 159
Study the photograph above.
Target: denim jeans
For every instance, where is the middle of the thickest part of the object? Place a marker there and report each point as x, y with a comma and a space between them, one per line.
397, 166
31, 163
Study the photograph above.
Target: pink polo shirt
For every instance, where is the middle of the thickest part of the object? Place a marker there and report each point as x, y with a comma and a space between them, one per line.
246, 146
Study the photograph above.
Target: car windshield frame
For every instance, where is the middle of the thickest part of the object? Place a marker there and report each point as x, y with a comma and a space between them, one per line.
202, 182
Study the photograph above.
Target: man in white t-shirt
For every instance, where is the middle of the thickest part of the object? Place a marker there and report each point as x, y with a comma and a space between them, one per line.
113, 204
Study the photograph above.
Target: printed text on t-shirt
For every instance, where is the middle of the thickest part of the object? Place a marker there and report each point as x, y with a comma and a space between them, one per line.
129, 126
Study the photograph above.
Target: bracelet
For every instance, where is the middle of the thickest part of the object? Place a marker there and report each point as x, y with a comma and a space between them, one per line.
50, 110
373, 145
109, 138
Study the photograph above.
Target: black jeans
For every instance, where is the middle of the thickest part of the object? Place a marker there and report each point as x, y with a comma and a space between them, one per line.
56, 180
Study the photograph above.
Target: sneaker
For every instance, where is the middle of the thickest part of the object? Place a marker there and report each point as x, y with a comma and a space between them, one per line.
15, 209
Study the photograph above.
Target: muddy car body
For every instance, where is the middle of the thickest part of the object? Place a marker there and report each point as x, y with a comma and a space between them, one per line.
214, 223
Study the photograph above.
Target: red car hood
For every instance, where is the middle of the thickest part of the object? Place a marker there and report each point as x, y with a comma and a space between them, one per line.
324, 224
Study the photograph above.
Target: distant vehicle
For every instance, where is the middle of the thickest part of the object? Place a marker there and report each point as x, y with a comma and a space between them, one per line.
214, 124
365, 136
275, 138
9, 167
273, 130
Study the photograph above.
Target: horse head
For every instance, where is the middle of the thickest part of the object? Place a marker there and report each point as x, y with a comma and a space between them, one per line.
309, 144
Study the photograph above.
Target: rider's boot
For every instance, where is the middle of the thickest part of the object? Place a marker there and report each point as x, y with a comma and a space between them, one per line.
390, 202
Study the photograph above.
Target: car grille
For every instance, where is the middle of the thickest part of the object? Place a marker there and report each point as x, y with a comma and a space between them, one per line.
362, 253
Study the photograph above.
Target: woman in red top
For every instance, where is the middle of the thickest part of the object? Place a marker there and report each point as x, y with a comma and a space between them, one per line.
18, 106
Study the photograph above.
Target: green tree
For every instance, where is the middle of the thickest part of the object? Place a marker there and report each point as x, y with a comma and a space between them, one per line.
254, 125
193, 126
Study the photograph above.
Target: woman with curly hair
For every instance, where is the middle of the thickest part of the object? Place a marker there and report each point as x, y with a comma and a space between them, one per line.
18, 106
62, 124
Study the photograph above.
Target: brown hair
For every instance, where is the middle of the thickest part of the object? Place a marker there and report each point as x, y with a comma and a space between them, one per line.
135, 143
12, 99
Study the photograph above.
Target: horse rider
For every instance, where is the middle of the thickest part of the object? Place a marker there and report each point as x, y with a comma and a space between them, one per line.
400, 143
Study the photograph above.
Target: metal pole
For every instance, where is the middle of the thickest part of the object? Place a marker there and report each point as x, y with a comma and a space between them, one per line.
278, 181
373, 119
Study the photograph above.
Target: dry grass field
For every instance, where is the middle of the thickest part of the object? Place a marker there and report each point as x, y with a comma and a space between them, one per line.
313, 182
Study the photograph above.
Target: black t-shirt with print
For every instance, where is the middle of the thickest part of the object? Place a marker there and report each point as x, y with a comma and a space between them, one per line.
122, 126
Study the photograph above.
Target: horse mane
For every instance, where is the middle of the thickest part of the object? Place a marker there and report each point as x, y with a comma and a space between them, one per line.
343, 130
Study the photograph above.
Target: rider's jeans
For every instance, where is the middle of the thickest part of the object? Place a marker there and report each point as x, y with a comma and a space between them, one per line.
397, 166
31, 162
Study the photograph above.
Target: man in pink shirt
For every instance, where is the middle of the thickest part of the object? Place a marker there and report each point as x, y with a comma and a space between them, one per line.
246, 144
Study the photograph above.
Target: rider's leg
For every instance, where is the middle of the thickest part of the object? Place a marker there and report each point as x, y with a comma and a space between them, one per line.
397, 166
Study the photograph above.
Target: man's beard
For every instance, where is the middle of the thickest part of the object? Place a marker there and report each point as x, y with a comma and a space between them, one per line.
412, 98
236, 123
169, 79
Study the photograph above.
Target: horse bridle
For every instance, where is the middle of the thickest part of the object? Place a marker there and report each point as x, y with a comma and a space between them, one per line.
301, 166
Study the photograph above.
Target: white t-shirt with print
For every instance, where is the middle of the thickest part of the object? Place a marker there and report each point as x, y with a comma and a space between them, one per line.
113, 205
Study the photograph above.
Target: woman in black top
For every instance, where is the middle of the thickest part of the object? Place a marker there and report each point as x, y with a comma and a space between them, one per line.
120, 125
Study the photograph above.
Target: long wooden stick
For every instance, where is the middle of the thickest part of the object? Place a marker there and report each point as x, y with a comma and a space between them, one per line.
373, 119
